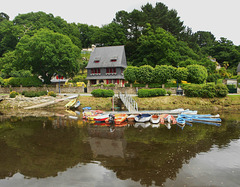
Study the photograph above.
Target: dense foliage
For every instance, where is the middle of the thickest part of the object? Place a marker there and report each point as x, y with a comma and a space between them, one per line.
102, 93
48, 53
24, 81
205, 90
151, 92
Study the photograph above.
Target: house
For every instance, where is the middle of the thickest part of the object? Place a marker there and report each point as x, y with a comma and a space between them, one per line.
238, 69
106, 65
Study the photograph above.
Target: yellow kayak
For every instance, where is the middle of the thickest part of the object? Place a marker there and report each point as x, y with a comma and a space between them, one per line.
70, 103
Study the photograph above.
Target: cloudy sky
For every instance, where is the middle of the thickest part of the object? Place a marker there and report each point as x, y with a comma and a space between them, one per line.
221, 17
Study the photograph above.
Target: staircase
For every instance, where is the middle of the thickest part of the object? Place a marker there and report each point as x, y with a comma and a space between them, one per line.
128, 101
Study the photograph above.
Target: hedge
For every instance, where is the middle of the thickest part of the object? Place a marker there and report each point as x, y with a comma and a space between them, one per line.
33, 93
102, 93
205, 90
151, 92
24, 81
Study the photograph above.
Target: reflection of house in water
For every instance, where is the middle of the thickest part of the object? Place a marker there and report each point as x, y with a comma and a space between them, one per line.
106, 143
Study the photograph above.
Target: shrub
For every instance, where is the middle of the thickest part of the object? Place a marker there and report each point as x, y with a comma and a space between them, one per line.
221, 90
102, 93
151, 92
33, 93
169, 92
154, 85
13, 94
205, 90
52, 93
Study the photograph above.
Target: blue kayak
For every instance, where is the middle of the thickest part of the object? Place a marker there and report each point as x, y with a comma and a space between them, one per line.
180, 121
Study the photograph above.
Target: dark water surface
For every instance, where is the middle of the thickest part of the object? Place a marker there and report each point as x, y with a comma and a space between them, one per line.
58, 151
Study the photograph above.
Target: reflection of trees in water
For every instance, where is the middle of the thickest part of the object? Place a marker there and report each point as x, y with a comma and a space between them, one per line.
148, 155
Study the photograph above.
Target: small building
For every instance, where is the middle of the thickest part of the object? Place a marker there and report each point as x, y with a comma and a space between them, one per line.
106, 65
238, 69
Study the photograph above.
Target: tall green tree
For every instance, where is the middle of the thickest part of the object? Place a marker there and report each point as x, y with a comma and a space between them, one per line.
48, 53
162, 73
130, 74
197, 74
145, 74
160, 47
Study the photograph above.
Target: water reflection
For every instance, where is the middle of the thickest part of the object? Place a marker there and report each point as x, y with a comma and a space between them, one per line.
149, 155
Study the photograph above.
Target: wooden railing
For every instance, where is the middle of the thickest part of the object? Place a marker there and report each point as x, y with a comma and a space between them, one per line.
128, 101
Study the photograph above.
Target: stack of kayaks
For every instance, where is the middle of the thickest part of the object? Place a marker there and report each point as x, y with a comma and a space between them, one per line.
202, 118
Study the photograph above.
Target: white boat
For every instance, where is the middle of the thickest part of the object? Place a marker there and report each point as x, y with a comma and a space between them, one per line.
131, 118
187, 111
143, 125
155, 119
143, 118
168, 125
155, 125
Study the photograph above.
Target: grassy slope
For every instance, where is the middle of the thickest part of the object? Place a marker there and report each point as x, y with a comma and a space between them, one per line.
170, 102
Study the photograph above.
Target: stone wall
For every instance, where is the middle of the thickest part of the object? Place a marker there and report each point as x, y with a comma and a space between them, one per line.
116, 89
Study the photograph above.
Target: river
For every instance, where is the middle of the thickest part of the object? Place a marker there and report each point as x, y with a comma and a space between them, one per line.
59, 151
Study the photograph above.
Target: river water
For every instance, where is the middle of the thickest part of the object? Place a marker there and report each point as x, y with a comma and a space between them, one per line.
59, 151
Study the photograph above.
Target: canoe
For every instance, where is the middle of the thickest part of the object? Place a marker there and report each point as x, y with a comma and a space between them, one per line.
143, 118
214, 120
77, 104
131, 118
119, 118
70, 103
208, 123
187, 111
155, 119
199, 116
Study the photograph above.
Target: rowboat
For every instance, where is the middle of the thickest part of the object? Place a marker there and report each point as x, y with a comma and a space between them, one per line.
142, 124
119, 118
131, 118
167, 118
101, 118
155, 119
180, 121
143, 118
70, 103
168, 125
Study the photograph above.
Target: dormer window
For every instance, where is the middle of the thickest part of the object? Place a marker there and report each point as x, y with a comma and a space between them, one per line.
97, 59
114, 59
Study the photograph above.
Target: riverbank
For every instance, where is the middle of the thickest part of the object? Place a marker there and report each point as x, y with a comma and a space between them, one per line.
229, 103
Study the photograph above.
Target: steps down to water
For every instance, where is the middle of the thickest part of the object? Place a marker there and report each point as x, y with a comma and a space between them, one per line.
128, 101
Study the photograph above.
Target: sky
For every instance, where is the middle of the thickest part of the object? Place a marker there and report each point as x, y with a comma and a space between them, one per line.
220, 17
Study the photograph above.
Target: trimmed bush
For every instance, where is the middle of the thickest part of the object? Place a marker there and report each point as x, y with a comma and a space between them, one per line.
33, 93
205, 90
13, 94
169, 93
102, 93
52, 93
151, 92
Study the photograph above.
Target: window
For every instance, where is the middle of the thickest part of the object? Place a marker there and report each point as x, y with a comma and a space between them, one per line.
97, 59
114, 59
114, 70
107, 70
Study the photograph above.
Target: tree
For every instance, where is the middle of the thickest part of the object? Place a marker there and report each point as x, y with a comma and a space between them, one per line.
197, 74
162, 73
144, 74
130, 74
3, 16
48, 53
110, 35
181, 74
159, 47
